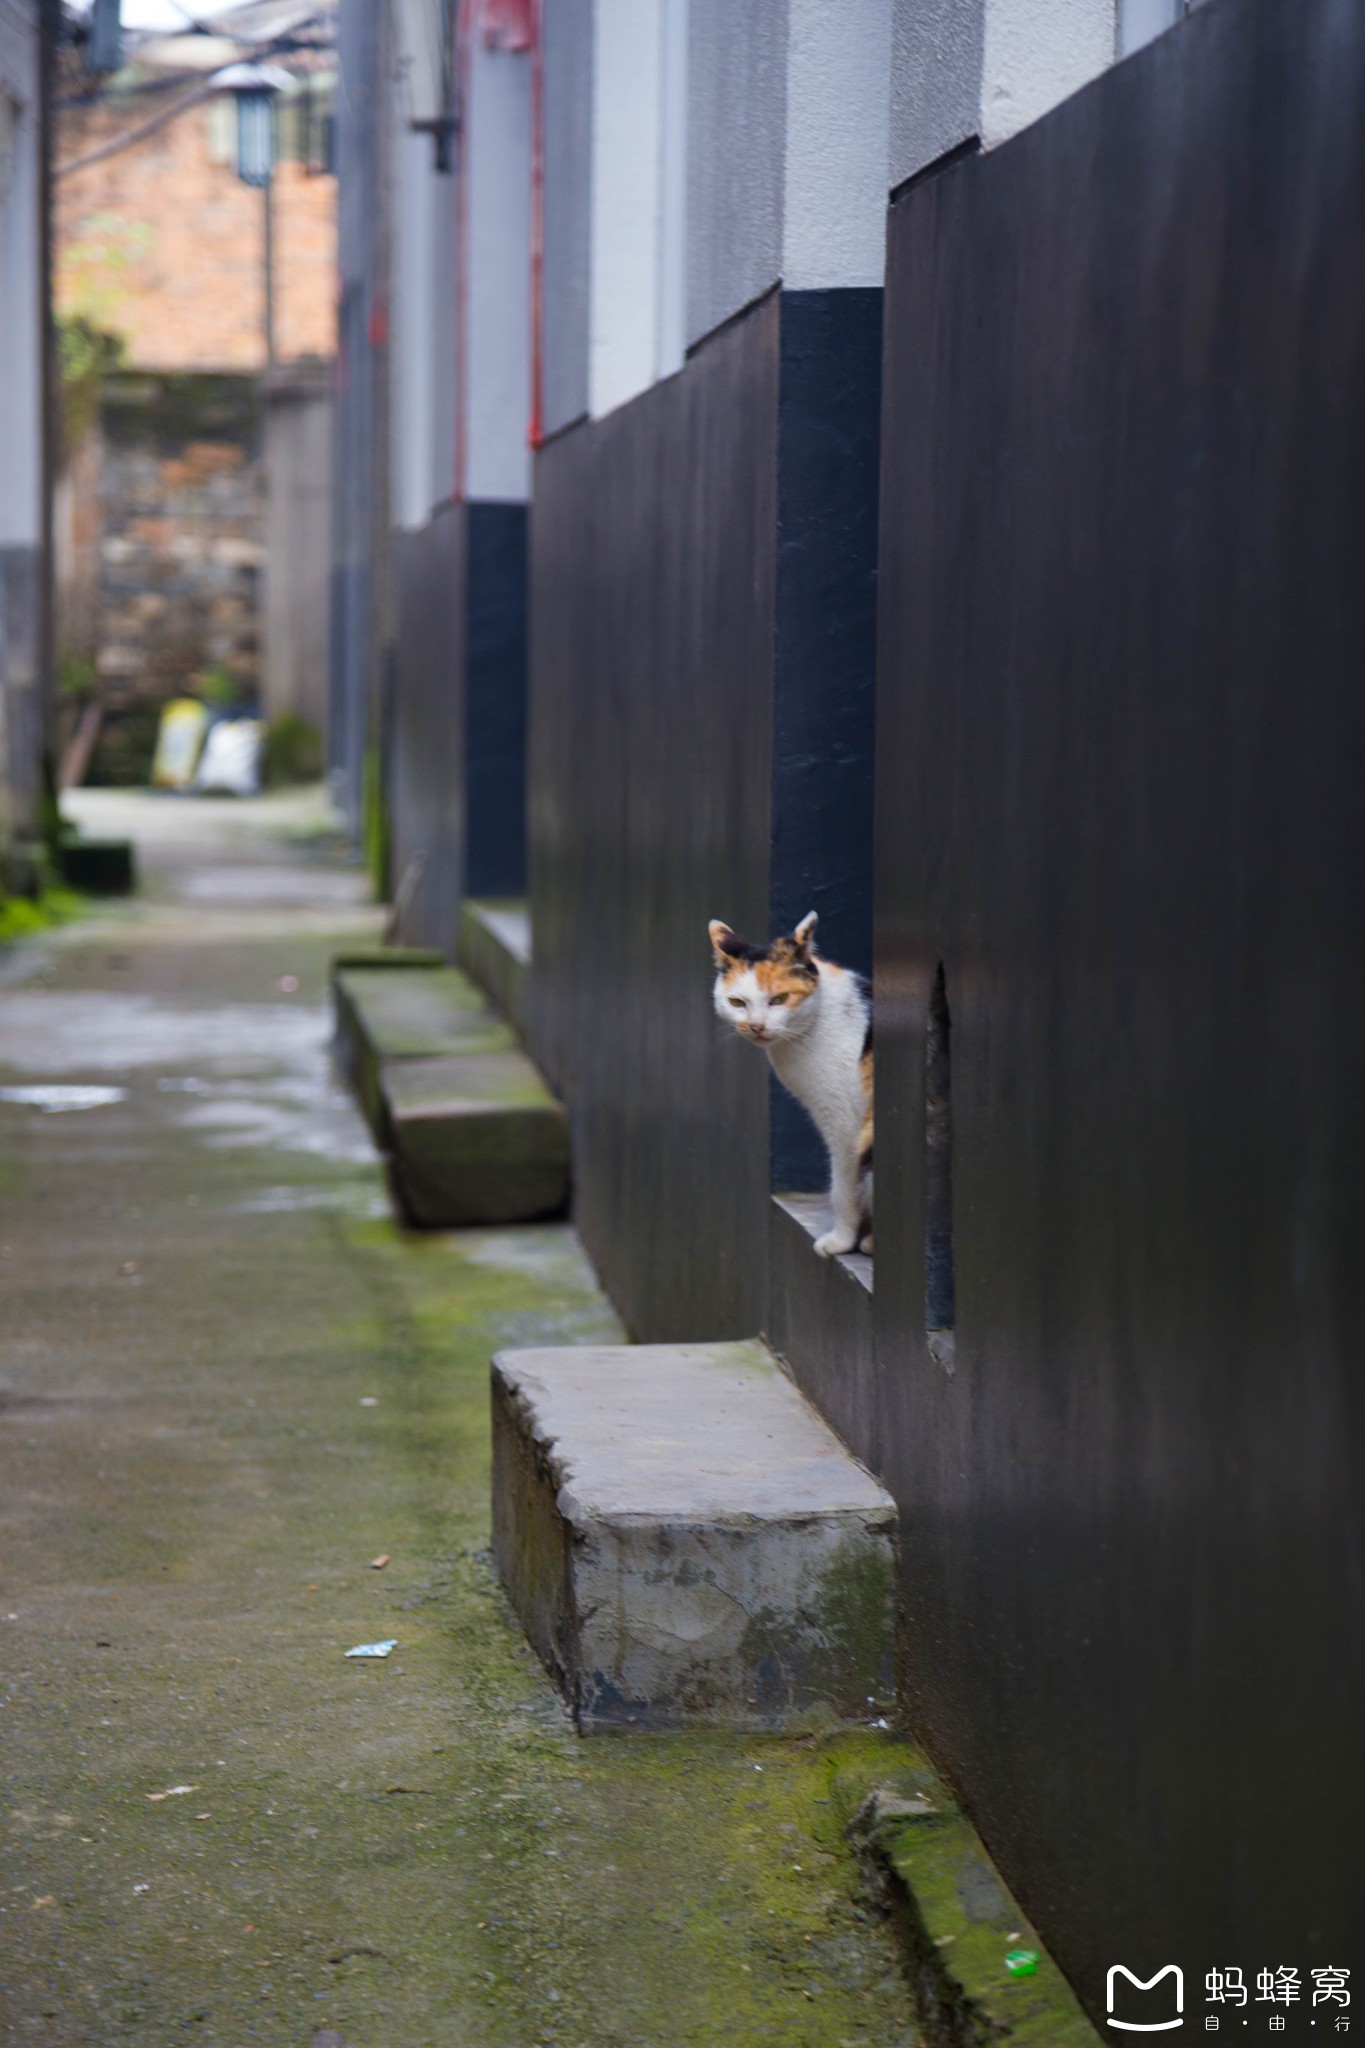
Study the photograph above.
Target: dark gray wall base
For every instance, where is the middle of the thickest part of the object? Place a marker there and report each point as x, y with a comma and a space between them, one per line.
495, 700
21, 734
820, 1320
1121, 756
427, 768
457, 777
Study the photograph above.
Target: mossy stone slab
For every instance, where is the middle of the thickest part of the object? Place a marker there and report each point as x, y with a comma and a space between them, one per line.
476, 1137
959, 1924
389, 956
686, 1541
384, 1015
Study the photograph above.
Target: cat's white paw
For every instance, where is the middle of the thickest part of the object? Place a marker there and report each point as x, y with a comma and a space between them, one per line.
834, 1243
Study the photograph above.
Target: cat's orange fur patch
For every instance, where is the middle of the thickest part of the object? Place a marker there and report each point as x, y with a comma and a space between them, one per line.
786, 971
865, 1133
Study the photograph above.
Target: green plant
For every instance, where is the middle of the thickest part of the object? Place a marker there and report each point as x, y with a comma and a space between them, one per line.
374, 813
76, 676
216, 686
292, 751
87, 353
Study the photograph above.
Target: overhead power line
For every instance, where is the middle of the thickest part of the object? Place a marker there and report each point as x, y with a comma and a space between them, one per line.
277, 46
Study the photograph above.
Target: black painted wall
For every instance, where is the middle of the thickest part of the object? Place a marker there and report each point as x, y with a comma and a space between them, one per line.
825, 651
457, 719
703, 667
652, 580
1121, 796
426, 773
21, 688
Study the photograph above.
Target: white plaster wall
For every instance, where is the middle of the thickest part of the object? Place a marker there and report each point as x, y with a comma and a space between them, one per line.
937, 53
567, 55
21, 409
671, 346
987, 68
837, 131
412, 439
497, 274
1141, 20
736, 151
628, 42
1038, 52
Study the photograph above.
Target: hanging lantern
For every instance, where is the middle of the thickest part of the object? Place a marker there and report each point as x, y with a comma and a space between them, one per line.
255, 87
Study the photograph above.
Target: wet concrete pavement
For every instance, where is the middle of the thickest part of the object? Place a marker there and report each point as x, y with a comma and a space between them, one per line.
227, 1384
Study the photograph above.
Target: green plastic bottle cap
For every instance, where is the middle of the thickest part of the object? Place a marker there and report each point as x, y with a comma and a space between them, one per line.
1022, 1962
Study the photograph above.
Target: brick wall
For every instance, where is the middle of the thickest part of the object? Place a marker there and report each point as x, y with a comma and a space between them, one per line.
163, 244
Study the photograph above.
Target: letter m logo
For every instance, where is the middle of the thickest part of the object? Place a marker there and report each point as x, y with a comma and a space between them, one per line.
1163, 2003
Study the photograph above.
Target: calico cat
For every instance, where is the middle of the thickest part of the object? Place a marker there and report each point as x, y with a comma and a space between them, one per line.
815, 1023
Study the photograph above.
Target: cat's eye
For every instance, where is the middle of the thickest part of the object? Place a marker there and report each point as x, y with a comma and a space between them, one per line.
737, 1003
777, 999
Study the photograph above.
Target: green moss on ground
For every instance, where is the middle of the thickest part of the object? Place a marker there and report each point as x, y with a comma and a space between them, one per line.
27, 917
418, 1852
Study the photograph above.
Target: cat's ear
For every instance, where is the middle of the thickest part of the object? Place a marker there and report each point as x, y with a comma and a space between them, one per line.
805, 931
724, 943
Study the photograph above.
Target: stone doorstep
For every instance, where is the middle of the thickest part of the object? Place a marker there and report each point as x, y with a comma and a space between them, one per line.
471, 1133
685, 1540
427, 1012
474, 1138
494, 948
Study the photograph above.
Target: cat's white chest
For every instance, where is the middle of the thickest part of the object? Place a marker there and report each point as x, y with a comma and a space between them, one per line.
821, 1066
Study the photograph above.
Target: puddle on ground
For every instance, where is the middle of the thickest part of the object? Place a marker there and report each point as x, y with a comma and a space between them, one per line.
55, 1031
362, 1199
55, 1096
250, 883
547, 1251
262, 1072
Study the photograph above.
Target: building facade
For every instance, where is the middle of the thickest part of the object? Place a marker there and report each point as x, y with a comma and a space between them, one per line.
193, 507
24, 438
944, 487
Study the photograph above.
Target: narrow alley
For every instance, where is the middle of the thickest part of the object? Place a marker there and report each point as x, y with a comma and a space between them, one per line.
243, 1429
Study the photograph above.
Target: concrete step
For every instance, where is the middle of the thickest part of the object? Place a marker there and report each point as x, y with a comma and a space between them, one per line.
477, 1138
470, 1131
494, 947
685, 1540
385, 1014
